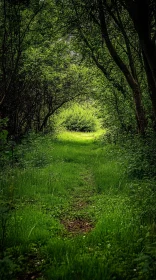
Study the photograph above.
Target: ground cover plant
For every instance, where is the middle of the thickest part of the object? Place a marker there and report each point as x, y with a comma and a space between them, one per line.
69, 211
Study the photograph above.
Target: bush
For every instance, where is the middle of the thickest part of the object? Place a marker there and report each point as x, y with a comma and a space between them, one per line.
80, 118
80, 122
141, 157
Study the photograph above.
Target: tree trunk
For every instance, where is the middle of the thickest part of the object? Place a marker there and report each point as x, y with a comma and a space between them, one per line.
139, 111
152, 88
141, 14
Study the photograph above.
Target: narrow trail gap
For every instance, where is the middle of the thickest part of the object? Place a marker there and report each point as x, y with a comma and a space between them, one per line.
80, 199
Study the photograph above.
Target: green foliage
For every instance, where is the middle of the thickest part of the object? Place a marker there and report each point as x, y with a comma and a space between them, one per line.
5, 146
80, 117
140, 153
42, 71
3, 132
8, 268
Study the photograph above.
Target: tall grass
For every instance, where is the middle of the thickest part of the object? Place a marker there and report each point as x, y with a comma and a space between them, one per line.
56, 182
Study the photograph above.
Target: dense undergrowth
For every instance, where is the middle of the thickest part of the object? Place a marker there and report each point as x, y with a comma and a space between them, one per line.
73, 208
80, 117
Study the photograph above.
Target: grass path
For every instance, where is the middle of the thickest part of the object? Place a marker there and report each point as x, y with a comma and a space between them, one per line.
72, 217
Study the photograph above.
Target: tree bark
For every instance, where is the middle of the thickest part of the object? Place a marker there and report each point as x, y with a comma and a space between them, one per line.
152, 88
142, 15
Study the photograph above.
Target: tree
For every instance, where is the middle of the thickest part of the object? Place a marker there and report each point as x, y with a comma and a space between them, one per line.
143, 15
106, 24
39, 72
15, 20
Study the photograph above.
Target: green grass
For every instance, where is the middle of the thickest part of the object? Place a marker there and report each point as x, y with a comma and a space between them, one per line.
69, 212
80, 137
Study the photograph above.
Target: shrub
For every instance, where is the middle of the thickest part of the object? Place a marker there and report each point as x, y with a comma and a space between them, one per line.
141, 157
81, 118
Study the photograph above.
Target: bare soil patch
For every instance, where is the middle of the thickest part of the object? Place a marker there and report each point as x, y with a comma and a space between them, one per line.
78, 225
80, 204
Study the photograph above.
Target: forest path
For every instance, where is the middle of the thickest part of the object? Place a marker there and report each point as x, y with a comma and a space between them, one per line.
79, 150
93, 175
72, 219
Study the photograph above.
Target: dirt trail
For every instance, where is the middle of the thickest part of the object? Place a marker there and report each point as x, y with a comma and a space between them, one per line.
79, 223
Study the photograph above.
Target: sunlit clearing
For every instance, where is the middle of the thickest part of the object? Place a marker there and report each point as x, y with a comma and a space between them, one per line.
80, 136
